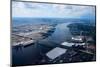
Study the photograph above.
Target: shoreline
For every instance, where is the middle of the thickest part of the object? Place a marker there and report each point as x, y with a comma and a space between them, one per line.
25, 38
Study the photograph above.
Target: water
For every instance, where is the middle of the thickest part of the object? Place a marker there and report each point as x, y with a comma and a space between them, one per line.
32, 53
61, 34
22, 21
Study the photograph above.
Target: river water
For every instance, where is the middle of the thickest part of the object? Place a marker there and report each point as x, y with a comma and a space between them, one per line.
31, 54
61, 34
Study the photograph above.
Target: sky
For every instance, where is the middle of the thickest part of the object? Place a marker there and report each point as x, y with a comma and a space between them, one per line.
45, 10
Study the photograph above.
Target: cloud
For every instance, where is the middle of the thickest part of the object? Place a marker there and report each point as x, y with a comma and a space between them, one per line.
26, 9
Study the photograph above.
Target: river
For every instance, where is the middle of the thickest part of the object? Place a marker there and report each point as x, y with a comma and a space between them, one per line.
31, 54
